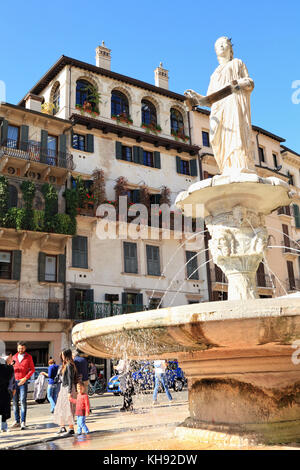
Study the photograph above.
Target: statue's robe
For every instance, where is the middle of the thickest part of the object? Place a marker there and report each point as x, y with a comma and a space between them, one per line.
230, 119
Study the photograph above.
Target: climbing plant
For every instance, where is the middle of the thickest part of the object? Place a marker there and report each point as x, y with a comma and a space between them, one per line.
51, 204
3, 198
28, 189
98, 188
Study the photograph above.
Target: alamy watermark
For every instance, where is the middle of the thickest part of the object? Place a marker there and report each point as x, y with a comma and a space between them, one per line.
296, 354
138, 221
296, 94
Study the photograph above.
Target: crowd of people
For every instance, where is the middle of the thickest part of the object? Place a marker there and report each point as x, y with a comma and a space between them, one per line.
67, 389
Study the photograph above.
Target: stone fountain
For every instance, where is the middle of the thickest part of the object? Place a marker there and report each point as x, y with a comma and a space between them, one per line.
237, 355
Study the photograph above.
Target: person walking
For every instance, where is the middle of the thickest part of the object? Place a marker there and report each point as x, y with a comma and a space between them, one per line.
23, 369
52, 383
126, 385
64, 411
92, 373
82, 367
82, 408
7, 389
160, 378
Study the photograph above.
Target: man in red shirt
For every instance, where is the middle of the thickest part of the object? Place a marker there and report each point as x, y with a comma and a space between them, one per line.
24, 368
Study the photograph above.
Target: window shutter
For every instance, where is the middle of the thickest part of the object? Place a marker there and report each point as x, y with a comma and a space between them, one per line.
24, 138
192, 265
44, 146
118, 150
12, 196
4, 131
124, 298
89, 295
193, 167
178, 164
296, 215
41, 267
130, 258
62, 151
79, 252
141, 156
136, 155
157, 163
72, 304
136, 196
290, 269
16, 265
153, 260
139, 299
2, 308
61, 268
90, 143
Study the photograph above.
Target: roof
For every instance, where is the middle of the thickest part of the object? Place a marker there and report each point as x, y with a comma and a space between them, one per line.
286, 149
31, 111
64, 61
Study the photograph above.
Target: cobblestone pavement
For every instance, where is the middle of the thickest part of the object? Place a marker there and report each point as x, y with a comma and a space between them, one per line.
148, 427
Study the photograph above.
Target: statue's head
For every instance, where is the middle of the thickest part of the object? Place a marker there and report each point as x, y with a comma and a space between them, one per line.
223, 47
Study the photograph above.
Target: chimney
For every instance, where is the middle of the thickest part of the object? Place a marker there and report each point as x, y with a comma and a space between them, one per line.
33, 102
103, 56
161, 77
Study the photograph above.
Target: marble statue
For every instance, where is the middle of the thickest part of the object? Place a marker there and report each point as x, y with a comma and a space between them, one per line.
230, 119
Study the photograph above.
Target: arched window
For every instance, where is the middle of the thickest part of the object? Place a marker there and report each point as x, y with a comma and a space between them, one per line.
177, 126
119, 104
56, 99
86, 95
148, 113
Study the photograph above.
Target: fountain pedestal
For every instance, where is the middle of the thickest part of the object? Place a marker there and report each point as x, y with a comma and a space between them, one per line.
234, 207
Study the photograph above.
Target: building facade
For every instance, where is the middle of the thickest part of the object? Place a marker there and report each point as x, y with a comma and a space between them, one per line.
82, 137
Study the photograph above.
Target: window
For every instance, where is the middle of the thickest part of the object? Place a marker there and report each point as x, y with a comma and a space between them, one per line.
126, 153
80, 252
291, 275
148, 158
184, 167
261, 154
192, 266
51, 268
177, 125
78, 142
275, 162
85, 92
153, 260
291, 178
154, 303
52, 146
5, 264
130, 258
119, 104
12, 196
205, 139
148, 113
13, 134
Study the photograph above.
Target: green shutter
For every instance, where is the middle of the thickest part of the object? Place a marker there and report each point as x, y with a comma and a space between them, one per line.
192, 265
193, 167
4, 131
118, 150
130, 258
80, 252
16, 264
61, 268
24, 138
89, 295
178, 164
90, 143
153, 260
44, 146
157, 163
62, 156
141, 156
139, 299
136, 154
41, 266
124, 298
296, 215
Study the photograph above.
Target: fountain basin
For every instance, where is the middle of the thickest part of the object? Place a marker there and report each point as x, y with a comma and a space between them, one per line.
239, 358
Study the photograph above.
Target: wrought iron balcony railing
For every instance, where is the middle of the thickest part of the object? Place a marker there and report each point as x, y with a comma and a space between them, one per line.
264, 280
290, 246
31, 308
292, 284
94, 310
34, 152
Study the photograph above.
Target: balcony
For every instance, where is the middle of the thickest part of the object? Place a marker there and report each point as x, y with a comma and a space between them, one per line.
264, 281
32, 157
85, 311
292, 284
290, 248
14, 308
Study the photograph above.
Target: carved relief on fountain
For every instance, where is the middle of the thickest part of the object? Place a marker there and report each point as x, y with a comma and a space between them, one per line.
238, 241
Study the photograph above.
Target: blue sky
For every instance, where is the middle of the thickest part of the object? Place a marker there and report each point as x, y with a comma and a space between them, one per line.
179, 33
